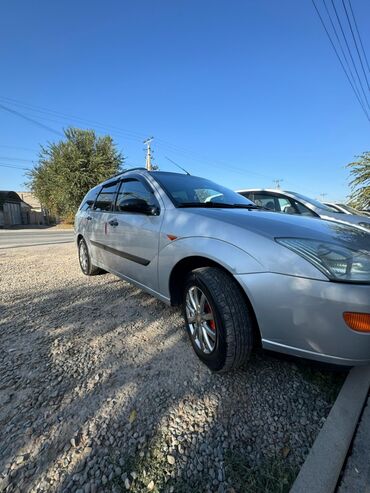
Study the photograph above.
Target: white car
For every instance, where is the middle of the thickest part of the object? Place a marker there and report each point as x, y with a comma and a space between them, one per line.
345, 209
296, 203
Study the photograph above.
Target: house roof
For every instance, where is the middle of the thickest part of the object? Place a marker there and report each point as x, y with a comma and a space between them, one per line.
9, 196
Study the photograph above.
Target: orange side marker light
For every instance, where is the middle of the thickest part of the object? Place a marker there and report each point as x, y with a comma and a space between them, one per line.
360, 322
171, 237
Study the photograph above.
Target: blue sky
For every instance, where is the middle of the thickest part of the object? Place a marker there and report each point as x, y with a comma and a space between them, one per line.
241, 92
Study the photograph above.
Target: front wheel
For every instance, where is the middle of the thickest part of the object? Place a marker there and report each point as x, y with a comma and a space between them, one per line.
218, 320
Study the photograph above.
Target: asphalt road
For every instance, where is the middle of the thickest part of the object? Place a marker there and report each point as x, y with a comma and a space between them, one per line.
23, 238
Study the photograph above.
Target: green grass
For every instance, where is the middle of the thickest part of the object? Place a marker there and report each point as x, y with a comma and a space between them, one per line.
156, 468
271, 476
328, 381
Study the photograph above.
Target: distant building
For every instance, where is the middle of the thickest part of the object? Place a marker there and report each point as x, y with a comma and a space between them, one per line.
20, 208
10, 208
31, 200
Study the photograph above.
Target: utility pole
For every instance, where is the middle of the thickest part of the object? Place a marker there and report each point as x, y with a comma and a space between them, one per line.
322, 196
148, 161
277, 183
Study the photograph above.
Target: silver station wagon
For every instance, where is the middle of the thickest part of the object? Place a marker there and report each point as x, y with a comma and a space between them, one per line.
299, 285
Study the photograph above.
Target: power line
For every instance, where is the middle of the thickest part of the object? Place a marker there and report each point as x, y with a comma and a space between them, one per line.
350, 53
17, 159
163, 143
358, 34
32, 120
354, 40
65, 116
12, 166
342, 49
122, 132
340, 60
18, 148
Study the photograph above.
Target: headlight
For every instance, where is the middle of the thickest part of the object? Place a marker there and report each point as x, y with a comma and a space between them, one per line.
338, 263
364, 225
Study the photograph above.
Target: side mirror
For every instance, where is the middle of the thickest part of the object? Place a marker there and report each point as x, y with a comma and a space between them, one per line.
139, 206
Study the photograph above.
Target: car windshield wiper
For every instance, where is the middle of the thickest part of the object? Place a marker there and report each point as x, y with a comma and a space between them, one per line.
247, 206
218, 205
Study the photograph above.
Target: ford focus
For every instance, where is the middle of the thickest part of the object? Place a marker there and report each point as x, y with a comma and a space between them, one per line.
242, 274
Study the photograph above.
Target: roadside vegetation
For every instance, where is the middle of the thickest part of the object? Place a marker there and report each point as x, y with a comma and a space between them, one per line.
66, 170
360, 184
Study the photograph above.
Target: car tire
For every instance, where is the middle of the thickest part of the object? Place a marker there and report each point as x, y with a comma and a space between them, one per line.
87, 267
224, 311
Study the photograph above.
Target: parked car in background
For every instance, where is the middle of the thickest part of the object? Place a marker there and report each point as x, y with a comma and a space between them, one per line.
240, 273
296, 203
344, 208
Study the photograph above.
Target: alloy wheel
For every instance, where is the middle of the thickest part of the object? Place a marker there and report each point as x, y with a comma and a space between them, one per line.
200, 320
84, 257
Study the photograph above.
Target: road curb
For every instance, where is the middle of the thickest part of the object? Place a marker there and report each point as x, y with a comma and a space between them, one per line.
321, 469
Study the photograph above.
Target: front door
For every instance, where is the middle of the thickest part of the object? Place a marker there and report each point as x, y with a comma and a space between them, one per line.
133, 237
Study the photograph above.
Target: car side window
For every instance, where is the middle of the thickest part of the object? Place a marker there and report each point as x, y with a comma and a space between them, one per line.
89, 199
106, 198
302, 209
266, 201
135, 189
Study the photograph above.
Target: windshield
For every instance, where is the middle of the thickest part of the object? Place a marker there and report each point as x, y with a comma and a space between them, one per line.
351, 210
334, 208
192, 191
314, 202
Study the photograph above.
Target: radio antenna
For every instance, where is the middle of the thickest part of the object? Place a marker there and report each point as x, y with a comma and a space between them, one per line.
173, 162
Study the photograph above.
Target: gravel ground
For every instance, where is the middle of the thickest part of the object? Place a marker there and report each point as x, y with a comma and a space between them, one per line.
101, 391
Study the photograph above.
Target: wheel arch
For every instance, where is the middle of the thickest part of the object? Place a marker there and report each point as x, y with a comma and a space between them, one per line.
185, 266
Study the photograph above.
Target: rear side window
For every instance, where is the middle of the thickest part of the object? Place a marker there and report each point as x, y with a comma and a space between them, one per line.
89, 199
106, 198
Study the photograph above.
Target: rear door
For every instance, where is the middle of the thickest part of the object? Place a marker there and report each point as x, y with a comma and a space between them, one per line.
84, 216
133, 238
102, 208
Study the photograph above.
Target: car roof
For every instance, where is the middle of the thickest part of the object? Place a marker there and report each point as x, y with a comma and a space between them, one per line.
270, 190
145, 172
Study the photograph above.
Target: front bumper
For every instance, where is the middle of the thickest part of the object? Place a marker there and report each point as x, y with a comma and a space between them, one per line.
304, 317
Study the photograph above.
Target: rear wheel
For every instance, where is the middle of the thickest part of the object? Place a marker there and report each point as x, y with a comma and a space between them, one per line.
84, 258
218, 319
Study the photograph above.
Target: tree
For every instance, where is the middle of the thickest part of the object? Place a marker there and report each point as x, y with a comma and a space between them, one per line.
360, 184
67, 169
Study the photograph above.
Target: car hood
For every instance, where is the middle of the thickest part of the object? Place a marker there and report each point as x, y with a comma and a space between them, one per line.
274, 224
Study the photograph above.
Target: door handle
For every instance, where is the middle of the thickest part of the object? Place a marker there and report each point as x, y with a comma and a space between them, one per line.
113, 222
88, 218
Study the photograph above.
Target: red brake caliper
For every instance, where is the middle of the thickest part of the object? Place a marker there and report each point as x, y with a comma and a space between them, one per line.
207, 309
